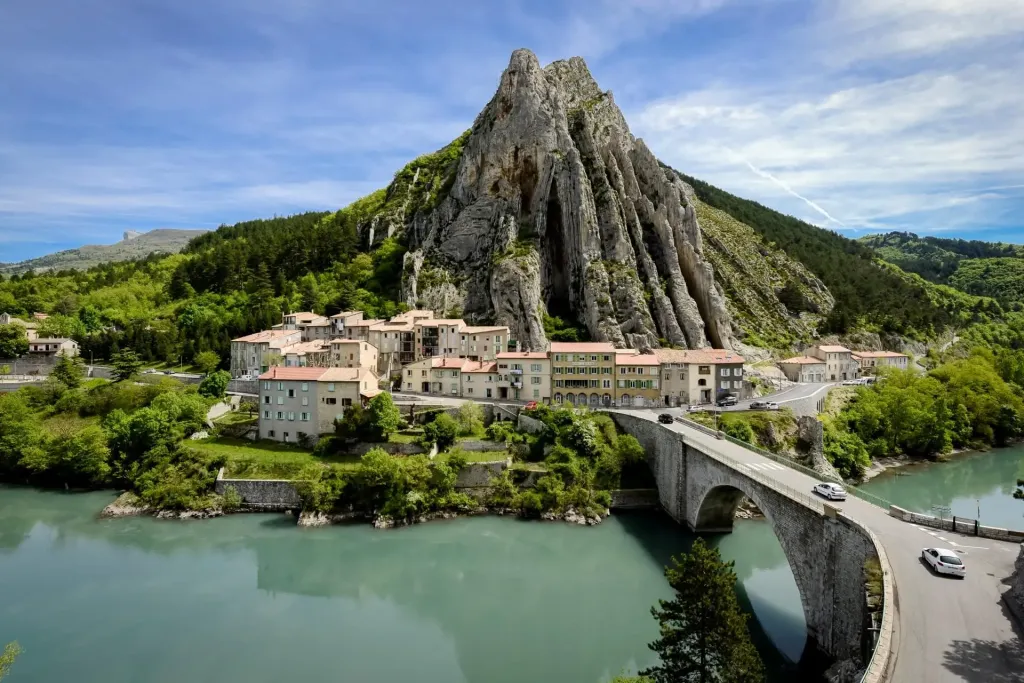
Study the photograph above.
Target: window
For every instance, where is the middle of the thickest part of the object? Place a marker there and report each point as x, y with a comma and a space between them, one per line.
280, 415
266, 414
536, 393
668, 375
280, 386
270, 433
469, 390
725, 372
535, 380
726, 385
702, 382
621, 383
330, 386
535, 367
291, 416
682, 376
593, 359
606, 371
737, 372
346, 402
266, 399
607, 358
607, 384
291, 393
558, 356
305, 400
280, 400
622, 371
331, 401
305, 386
266, 385
703, 369
304, 417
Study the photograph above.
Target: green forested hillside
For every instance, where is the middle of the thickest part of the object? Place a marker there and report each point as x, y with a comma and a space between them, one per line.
867, 294
992, 269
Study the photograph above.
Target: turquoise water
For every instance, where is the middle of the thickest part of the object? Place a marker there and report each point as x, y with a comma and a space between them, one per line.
251, 598
973, 485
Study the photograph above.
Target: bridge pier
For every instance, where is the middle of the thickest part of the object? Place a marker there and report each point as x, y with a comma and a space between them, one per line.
825, 554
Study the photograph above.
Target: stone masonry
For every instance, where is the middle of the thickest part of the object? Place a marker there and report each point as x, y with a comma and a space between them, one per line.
826, 554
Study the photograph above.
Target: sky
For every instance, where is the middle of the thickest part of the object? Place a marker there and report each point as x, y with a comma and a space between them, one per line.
856, 115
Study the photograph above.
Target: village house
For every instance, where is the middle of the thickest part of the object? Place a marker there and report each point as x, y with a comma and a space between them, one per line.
479, 379
483, 343
349, 353
313, 354
804, 369
53, 346
359, 330
438, 337
524, 376
340, 320
395, 341
311, 325
870, 361
839, 362
304, 402
251, 354
436, 376
30, 327
582, 373
700, 376
637, 378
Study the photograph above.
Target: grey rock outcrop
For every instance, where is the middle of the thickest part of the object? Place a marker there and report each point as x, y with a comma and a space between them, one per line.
556, 208
810, 441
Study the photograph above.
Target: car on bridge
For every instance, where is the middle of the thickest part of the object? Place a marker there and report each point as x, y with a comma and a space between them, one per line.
944, 561
827, 489
665, 419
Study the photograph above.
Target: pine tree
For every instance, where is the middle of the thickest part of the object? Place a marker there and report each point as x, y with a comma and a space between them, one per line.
704, 636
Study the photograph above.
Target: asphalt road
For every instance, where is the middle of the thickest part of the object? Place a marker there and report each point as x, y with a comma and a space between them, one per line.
801, 398
947, 629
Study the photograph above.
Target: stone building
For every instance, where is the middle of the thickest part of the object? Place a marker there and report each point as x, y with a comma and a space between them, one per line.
298, 402
700, 376
524, 376
839, 362
583, 373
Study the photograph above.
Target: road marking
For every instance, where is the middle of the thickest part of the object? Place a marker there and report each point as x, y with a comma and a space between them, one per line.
801, 398
941, 538
762, 466
972, 547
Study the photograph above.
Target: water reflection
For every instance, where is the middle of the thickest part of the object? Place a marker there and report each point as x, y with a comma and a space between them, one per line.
482, 600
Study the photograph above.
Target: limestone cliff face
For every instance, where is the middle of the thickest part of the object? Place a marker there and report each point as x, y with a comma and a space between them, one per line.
555, 207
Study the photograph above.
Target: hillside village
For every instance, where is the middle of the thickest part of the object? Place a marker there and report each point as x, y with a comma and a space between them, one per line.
311, 367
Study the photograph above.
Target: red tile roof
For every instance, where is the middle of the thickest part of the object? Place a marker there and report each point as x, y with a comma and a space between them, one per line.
301, 374
802, 360
473, 366
523, 354
632, 357
582, 347
879, 354
265, 335
705, 356
833, 348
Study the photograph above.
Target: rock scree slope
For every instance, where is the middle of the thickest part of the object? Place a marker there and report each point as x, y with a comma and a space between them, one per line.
555, 207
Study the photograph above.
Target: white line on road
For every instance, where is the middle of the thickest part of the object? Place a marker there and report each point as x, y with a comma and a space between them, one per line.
801, 398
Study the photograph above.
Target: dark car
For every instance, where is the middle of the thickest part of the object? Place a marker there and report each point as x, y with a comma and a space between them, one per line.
665, 419
727, 401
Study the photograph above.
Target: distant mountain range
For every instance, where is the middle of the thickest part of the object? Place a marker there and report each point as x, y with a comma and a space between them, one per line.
134, 245
993, 269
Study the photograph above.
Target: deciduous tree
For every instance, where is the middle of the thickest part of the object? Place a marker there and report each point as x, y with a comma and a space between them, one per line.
13, 342
384, 417
206, 361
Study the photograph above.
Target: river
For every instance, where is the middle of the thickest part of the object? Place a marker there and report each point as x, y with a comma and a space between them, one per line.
973, 485
251, 598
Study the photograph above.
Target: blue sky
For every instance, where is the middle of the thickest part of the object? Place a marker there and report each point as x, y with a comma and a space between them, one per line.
859, 115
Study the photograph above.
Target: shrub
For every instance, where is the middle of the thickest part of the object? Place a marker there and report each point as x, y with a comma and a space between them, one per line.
470, 418
231, 500
383, 417
443, 431
320, 488
215, 384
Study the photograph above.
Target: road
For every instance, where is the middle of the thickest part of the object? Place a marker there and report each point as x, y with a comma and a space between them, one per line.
946, 629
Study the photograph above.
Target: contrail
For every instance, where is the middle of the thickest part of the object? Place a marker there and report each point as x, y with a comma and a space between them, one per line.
790, 190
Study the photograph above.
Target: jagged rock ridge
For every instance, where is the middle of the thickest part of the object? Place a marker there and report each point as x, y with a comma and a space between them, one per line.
554, 206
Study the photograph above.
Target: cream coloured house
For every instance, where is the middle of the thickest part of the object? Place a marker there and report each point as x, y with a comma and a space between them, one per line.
804, 369
870, 361
699, 376
297, 402
250, 355
524, 376
839, 362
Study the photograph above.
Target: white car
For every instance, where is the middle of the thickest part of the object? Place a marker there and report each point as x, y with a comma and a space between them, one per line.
695, 409
851, 382
943, 561
831, 491
771, 405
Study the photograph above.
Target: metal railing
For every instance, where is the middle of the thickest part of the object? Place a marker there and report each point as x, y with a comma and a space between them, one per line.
788, 462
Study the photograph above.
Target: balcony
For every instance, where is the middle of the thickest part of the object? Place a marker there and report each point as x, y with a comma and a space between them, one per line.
515, 371
517, 385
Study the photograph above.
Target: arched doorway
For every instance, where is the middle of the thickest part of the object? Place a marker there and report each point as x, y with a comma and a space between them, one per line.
595, 400
558, 398
606, 399
571, 398
625, 400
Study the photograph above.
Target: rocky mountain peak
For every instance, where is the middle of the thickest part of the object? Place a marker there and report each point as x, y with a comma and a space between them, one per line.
555, 208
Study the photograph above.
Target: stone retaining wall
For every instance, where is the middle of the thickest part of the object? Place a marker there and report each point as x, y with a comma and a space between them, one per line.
963, 527
262, 494
242, 386
635, 499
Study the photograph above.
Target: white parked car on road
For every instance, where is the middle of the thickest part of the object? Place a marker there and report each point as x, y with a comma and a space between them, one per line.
943, 561
831, 491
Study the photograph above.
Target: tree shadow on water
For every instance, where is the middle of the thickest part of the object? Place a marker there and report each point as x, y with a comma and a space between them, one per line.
986, 661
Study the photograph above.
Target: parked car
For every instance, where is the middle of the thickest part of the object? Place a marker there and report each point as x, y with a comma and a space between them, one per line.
943, 561
728, 400
827, 489
851, 382
665, 419
759, 405
771, 405
695, 409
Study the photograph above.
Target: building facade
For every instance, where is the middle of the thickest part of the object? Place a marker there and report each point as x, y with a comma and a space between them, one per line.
524, 376
53, 346
250, 355
870, 361
804, 369
839, 362
700, 376
637, 379
582, 373
479, 379
304, 402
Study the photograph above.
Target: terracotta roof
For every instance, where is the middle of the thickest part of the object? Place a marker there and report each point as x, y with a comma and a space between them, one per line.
434, 322
833, 348
802, 360
705, 356
523, 354
582, 347
394, 326
473, 366
449, 363
346, 375
302, 348
348, 341
370, 393
632, 357
265, 335
878, 354
485, 328
40, 316
346, 314
304, 374
365, 323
